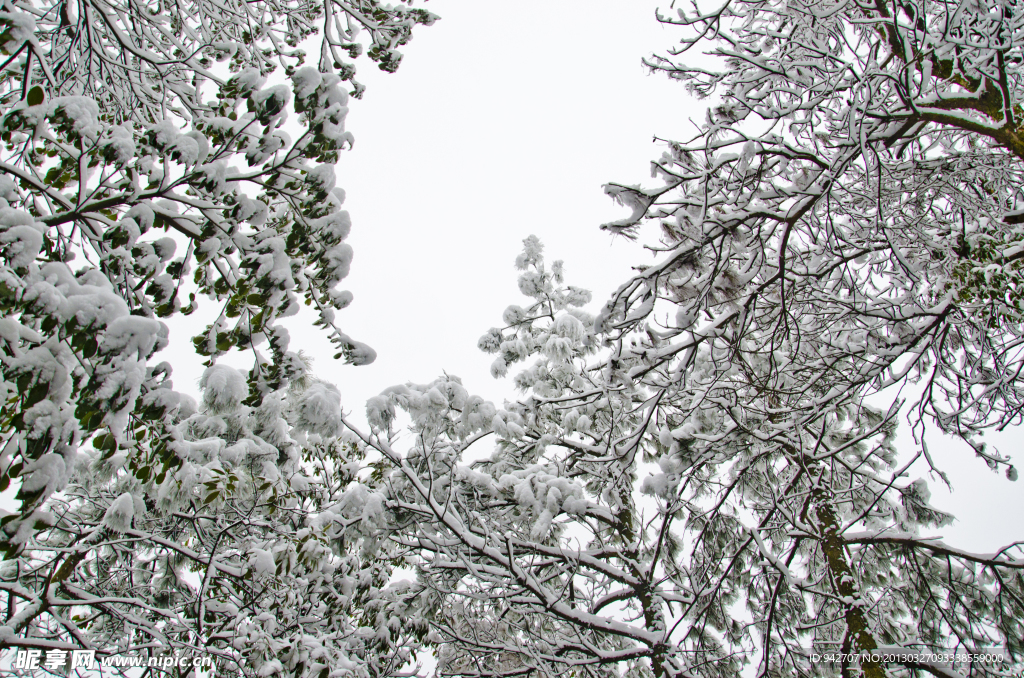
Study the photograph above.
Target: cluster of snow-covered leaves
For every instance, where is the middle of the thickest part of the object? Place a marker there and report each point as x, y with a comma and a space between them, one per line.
139, 178
261, 547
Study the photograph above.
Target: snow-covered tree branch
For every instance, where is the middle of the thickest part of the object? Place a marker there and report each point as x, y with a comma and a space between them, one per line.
839, 245
146, 171
651, 513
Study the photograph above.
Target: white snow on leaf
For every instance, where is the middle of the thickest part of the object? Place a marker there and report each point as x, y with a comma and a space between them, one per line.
48, 473
320, 409
262, 563
224, 388
305, 81
270, 668
119, 516
360, 354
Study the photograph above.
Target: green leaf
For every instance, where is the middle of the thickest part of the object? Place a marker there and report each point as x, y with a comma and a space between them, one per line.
52, 175
35, 96
37, 393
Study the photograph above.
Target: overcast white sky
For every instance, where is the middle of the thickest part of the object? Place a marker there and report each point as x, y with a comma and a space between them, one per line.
505, 119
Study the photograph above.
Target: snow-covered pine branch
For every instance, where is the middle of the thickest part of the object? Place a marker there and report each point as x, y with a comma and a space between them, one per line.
676, 500
845, 231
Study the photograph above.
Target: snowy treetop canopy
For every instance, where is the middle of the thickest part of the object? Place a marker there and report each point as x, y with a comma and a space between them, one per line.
698, 478
145, 171
145, 168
